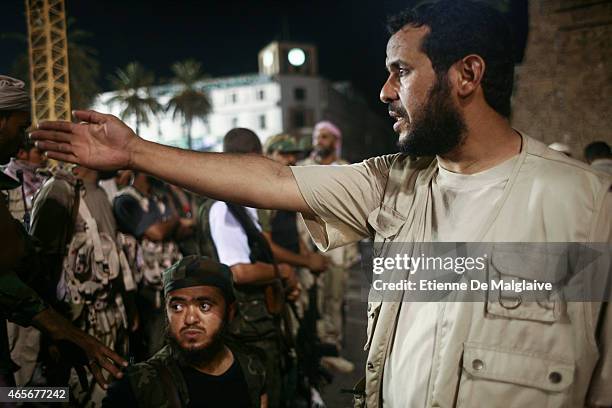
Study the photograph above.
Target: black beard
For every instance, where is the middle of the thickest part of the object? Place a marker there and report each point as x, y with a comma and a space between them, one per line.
439, 128
196, 356
324, 152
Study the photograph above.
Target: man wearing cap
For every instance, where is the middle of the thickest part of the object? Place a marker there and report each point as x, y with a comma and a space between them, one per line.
19, 303
279, 226
197, 368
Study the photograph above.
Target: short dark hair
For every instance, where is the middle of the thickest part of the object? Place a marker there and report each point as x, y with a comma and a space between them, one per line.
241, 140
597, 150
459, 28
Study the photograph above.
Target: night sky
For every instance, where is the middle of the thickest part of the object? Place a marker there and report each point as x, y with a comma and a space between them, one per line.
225, 36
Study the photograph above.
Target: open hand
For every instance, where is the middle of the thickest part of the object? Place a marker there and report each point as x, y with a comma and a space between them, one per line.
79, 348
100, 141
99, 357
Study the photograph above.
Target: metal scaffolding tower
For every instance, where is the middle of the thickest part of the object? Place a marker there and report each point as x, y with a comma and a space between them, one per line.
48, 52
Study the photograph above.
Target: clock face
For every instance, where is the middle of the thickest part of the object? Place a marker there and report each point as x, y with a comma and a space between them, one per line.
296, 57
268, 59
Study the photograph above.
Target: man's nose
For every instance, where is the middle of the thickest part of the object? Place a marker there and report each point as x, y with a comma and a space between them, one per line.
388, 93
191, 315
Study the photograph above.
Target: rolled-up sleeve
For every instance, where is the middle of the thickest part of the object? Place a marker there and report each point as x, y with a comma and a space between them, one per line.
342, 197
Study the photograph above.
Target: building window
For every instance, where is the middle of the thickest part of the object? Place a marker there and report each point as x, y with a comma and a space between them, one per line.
262, 121
261, 95
234, 122
299, 119
233, 98
299, 94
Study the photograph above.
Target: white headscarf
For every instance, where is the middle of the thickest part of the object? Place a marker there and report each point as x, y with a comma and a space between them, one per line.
13, 95
331, 128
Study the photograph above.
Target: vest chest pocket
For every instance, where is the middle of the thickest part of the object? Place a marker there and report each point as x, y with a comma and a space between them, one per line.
512, 265
496, 377
252, 319
385, 224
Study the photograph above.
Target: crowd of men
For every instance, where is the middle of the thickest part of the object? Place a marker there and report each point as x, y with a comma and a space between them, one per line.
105, 240
219, 302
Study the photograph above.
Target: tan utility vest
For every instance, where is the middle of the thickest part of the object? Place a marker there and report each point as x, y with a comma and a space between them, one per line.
486, 355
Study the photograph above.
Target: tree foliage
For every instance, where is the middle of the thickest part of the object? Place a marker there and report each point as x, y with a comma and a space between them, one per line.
133, 92
188, 103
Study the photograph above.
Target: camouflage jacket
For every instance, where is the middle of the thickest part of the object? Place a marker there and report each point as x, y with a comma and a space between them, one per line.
150, 391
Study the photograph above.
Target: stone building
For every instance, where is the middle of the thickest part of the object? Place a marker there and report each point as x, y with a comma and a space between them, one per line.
564, 86
286, 95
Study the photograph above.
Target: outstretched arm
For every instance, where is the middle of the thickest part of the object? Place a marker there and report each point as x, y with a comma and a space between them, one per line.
103, 142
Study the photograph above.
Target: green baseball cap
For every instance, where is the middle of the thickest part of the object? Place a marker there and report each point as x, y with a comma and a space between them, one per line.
194, 270
283, 143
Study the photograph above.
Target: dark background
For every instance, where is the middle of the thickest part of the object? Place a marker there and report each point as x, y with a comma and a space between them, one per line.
225, 36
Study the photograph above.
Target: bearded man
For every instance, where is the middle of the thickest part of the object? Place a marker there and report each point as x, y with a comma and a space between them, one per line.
196, 368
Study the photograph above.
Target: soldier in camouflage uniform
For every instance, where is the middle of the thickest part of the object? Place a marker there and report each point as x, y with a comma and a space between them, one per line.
198, 367
18, 301
74, 221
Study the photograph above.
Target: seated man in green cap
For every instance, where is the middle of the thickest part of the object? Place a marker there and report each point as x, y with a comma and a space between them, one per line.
197, 367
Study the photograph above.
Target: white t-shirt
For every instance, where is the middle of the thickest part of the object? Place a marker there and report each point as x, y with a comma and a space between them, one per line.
461, 204
230, 239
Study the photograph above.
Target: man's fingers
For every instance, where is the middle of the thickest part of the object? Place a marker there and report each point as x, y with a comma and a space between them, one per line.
90, 116
61, 126
110, 367
69, 158
97, 373
115, 357
51, 135
54, 147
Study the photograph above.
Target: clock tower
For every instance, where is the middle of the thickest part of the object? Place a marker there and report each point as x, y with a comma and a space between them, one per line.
288, 58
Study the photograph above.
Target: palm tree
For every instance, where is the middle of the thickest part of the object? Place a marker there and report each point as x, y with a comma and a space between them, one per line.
189, 103
133, 85
82, 63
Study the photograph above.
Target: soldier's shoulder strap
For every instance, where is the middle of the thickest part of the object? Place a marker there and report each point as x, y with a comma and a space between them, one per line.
254, 235
206, 246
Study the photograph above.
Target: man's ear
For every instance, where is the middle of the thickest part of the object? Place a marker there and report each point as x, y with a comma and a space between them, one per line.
470, 72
